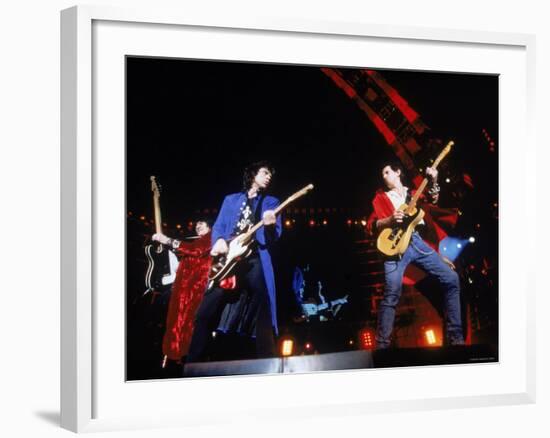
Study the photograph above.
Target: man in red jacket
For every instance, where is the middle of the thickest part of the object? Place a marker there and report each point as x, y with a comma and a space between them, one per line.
386, 214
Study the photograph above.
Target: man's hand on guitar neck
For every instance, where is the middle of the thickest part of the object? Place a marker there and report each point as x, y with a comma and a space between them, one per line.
165, 240
161, 238
269, 218
432, 174
433, 193
220, 247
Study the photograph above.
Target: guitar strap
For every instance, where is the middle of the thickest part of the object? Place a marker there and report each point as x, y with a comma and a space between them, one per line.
258, 212
257, 218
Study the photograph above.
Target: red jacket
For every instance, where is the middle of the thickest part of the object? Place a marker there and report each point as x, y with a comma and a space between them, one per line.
187, 292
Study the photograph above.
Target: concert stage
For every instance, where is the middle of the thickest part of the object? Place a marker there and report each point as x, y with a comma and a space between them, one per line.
349, 360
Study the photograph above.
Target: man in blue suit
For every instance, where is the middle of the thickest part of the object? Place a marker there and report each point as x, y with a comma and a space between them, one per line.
254, 274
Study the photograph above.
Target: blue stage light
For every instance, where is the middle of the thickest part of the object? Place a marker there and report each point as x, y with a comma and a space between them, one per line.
451, 247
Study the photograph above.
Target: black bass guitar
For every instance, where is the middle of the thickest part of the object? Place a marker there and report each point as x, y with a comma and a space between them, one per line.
162, 263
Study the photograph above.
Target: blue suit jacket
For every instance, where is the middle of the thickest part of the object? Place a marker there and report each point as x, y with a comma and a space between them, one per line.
266, 236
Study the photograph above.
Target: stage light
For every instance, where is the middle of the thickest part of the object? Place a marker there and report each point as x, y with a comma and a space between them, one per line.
364, 223
452, 247
214, 334
325, 222
472, 239
312, 223
288, 223
308, 346
447, 180
287, 347
142, 218
430, 336
349, 221
366, 339
178, 226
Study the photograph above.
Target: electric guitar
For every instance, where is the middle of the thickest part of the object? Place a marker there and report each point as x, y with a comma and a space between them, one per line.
162, 263
312, 309
241, 246
395, 240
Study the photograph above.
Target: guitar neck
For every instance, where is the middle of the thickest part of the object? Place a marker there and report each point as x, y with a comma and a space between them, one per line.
418, 193
278, 210
158, 219
424, 182
260, 224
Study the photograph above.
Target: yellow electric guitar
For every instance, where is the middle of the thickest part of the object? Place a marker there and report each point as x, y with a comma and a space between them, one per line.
395, 240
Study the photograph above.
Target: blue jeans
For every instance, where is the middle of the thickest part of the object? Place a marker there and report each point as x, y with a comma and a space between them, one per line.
425, 257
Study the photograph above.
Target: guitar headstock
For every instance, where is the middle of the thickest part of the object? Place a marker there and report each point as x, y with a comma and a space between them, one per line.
443, 153
447, 148
155, 188
301, 193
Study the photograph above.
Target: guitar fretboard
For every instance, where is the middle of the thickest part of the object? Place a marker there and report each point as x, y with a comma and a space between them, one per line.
424, 182
278, 210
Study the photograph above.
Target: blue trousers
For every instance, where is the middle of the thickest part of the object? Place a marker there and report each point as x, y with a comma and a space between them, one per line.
425, 257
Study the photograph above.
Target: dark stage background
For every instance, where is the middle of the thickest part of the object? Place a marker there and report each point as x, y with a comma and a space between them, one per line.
196, 124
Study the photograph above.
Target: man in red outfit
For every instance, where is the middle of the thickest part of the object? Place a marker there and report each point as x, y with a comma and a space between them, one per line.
386, 214
187, 290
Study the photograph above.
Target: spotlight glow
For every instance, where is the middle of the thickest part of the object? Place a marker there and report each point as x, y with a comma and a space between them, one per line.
430, 337
452, 247
287, 347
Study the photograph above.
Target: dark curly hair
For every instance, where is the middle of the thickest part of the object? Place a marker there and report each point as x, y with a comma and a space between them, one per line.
251, 171
203, 218
395, 166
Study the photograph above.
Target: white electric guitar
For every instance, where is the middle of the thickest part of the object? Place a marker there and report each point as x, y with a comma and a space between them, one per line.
241, 246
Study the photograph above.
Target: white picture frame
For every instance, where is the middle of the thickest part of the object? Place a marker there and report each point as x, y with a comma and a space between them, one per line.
93, 398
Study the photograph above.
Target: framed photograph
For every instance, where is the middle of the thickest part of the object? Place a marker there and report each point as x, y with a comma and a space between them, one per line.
278, 210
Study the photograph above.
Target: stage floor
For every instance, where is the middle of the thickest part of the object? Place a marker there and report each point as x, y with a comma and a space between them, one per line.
391, 358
